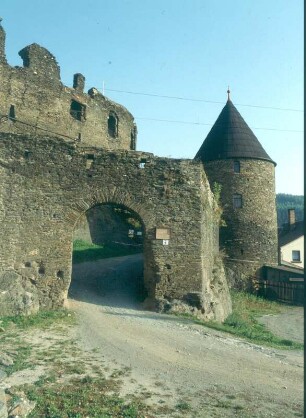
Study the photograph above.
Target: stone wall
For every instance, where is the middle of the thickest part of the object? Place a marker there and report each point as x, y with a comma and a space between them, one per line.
250, 235
33, 100
47, 184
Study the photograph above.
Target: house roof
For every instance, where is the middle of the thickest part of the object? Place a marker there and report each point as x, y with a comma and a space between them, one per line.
287, 235
230, 137
292, 269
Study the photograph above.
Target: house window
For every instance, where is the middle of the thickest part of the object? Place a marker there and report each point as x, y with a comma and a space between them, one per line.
296, 256
112, 125
236, 166
78, 111
237, 201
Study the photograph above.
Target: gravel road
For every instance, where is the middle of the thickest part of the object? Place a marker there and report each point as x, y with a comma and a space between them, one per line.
288, 325
174, 362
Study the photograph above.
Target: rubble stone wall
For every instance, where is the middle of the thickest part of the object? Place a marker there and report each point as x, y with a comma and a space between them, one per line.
47, 184
250, 235
34, 100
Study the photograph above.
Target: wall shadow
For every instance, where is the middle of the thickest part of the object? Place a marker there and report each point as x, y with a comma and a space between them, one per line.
114, 282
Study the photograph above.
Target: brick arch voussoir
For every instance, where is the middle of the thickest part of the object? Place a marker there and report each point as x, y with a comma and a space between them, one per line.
116, 195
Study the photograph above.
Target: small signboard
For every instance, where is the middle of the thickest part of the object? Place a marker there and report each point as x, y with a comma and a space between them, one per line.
165, 242
138, 233
162, 233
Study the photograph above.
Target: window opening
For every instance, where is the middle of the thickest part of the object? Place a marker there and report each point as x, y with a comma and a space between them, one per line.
142, 163
89, 160
296, 255
60, 274
133, 141
78, 111
236, 166
12, 114
112, 124
237, 201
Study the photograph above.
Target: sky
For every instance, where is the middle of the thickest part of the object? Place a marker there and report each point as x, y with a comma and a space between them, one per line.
189, 51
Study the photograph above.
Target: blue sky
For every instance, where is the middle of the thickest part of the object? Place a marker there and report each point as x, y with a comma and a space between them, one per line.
183, 48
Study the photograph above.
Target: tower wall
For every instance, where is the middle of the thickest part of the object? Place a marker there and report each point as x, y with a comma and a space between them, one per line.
250, 235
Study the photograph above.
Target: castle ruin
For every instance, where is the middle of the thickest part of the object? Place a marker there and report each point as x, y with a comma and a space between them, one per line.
63, 152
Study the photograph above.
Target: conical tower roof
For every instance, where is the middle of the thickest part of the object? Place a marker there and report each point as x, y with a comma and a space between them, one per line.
230, 137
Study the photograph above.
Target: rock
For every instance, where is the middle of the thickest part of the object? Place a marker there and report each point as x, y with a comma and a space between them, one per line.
2, 375
6, 360
3, 408
21, 408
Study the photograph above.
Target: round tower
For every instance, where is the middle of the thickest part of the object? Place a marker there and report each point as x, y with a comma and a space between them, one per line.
234, 158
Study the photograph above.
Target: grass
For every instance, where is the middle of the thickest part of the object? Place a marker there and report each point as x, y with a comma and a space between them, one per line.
42, 319
82, 397
84, 251
242, 322
13, 325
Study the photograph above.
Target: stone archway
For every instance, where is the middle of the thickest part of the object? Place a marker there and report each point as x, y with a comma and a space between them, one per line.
108, 256
54, 185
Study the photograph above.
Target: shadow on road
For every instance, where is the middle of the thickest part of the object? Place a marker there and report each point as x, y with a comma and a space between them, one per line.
114, 281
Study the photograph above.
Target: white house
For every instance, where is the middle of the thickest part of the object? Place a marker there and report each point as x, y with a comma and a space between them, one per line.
291, 242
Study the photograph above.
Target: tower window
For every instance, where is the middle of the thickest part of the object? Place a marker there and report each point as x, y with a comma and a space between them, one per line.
237, 201
236, 166
89, 160
112, 125
78, 111
133, 141
12, 114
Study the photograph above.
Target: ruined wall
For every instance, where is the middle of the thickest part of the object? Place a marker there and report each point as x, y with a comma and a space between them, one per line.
250, 235
33, 100
47, 184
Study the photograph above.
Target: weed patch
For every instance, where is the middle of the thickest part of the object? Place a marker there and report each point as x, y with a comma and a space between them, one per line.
80, 398
42, 319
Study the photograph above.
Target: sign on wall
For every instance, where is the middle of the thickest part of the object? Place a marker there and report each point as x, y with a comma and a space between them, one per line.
162, 233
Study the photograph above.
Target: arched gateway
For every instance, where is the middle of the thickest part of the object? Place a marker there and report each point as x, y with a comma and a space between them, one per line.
48, 184
63, 151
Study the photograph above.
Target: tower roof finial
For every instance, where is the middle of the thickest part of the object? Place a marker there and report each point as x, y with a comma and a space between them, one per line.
228, 94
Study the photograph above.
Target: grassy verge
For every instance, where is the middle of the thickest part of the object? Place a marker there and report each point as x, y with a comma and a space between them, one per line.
14, 326
242, 322
42, 319
82, 397
84, 251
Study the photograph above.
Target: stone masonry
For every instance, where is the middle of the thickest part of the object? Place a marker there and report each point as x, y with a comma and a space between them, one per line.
33, 100
63, 152
250, 234
46, 186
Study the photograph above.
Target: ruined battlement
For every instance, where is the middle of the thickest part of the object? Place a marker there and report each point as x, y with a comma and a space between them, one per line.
34, 100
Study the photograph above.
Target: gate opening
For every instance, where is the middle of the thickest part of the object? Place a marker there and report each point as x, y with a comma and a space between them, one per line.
107, 259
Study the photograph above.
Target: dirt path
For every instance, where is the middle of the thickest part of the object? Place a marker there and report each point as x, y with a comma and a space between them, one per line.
175, 362
288, 325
